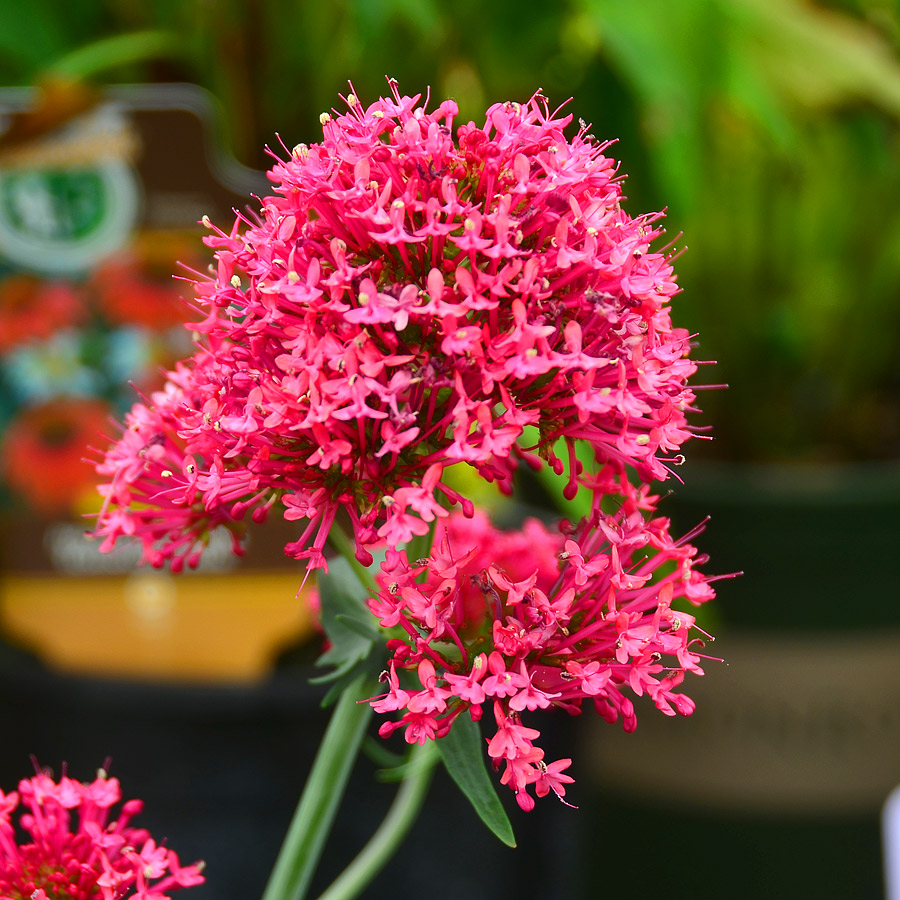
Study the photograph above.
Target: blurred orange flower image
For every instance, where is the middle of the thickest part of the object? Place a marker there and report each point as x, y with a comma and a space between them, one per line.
43, 451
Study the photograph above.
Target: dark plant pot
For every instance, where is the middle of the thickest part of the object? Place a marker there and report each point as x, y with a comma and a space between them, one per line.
817, 544
778, 778
221, 769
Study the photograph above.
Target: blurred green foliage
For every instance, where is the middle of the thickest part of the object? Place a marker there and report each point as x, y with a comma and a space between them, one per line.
768, 127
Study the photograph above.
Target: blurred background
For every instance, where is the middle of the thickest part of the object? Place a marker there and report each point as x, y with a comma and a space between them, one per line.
768, 130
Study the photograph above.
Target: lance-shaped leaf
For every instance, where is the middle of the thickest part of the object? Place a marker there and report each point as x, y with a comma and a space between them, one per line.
463, 755
347, 622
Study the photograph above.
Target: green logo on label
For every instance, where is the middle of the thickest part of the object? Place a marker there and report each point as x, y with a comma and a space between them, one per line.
54, 205
65, 220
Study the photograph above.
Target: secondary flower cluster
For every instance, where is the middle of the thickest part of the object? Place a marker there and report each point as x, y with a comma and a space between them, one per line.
535, 619
94, 856
409, 299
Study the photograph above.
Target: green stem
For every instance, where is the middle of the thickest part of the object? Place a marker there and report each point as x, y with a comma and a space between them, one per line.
321, 796
119, 50
384, 843
327, 782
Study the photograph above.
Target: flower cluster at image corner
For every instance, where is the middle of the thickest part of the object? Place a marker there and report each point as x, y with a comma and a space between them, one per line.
77, 850
407, 301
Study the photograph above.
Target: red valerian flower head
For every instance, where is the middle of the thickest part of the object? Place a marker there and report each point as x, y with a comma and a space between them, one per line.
410, 299
76, 850
528, 620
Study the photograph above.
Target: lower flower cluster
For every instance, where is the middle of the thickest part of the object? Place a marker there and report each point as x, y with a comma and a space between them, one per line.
534, 619
94, 857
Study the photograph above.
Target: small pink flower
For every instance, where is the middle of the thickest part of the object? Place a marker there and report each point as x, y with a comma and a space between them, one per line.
512, 740
501, 683
431, 699
420, 727
395, 698
552, 779
467, 687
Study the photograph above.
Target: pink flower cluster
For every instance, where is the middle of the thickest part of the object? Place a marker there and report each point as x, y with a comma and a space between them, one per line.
407, 300
536, 619
93, 857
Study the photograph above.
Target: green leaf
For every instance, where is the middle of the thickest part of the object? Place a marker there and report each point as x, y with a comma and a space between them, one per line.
345, 619
377, 753
463, 756
364, 627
